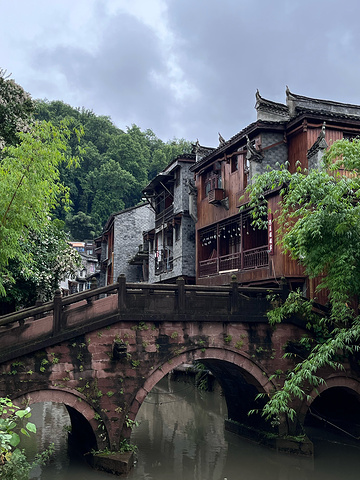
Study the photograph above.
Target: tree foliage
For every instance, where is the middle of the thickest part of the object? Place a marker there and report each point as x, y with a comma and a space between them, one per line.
116, 165
16, 108
14, 423
319, 226
49, 259
31, 188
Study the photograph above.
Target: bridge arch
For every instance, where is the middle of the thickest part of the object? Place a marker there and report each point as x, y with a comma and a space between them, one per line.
240, 377
337, 388
84, 426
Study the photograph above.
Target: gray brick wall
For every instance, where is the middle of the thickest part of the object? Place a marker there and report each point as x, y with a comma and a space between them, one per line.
272, 157
129, 226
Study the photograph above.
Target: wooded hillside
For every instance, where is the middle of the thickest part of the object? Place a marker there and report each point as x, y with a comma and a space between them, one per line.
115, 165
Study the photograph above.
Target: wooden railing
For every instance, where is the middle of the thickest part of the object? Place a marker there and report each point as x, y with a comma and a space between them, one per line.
253, 258
256, 257
208, 267
164, 216
230, 262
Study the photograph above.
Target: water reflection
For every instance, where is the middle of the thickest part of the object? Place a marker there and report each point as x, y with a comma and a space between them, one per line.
180, 434
181, 437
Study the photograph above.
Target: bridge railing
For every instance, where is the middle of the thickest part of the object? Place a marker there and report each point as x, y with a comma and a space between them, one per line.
55, 306
125, 292
76, 314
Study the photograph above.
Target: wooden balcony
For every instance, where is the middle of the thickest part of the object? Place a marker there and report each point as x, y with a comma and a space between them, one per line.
208, 267
164, 216
256, 258
249, 259
230, 262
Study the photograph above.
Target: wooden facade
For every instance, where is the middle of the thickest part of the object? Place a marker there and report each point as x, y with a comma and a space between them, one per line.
295, 134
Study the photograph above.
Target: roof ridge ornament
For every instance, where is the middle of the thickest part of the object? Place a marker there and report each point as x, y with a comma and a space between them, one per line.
200, 151
221, 139
268, 110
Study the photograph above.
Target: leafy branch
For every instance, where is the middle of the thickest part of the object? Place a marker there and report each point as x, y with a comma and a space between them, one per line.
318, 225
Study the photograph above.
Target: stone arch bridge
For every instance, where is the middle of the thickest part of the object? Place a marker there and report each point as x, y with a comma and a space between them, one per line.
101, 352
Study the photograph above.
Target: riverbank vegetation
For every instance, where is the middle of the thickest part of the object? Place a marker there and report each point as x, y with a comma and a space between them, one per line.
14, 423
319, 226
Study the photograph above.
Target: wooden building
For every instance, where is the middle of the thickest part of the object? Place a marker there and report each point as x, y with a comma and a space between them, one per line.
295, 133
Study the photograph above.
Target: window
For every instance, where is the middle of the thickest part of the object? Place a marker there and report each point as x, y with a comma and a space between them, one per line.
160, 202
177, 232
234, 163
177, 176
212, 180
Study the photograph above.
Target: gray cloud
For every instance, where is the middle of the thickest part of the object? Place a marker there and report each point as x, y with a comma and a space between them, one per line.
116, 78
200, 77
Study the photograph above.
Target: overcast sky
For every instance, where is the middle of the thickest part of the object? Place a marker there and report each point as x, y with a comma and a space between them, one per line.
184, 68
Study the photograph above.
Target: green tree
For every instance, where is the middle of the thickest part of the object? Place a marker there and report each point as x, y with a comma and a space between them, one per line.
319, 222
138, 153
82, 226
164, 153
16, 109
49, 259
30, 183
114, 189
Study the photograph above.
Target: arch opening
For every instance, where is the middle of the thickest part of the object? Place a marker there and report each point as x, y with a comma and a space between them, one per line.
174, 414
56, 425
77, 423
81, 437
240, 379
240, 390
337, 410
176, 417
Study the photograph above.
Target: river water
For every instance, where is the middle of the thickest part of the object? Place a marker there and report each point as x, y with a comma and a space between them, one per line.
181, 437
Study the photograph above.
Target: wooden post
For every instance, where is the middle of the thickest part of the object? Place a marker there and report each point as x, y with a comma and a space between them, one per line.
181, 295
57, 323
234, 295
122, 293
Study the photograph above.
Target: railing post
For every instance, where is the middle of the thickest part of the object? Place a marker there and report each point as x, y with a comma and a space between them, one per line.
122, 292
181, 294
38, 303
93, 286
57, 321
234, 295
